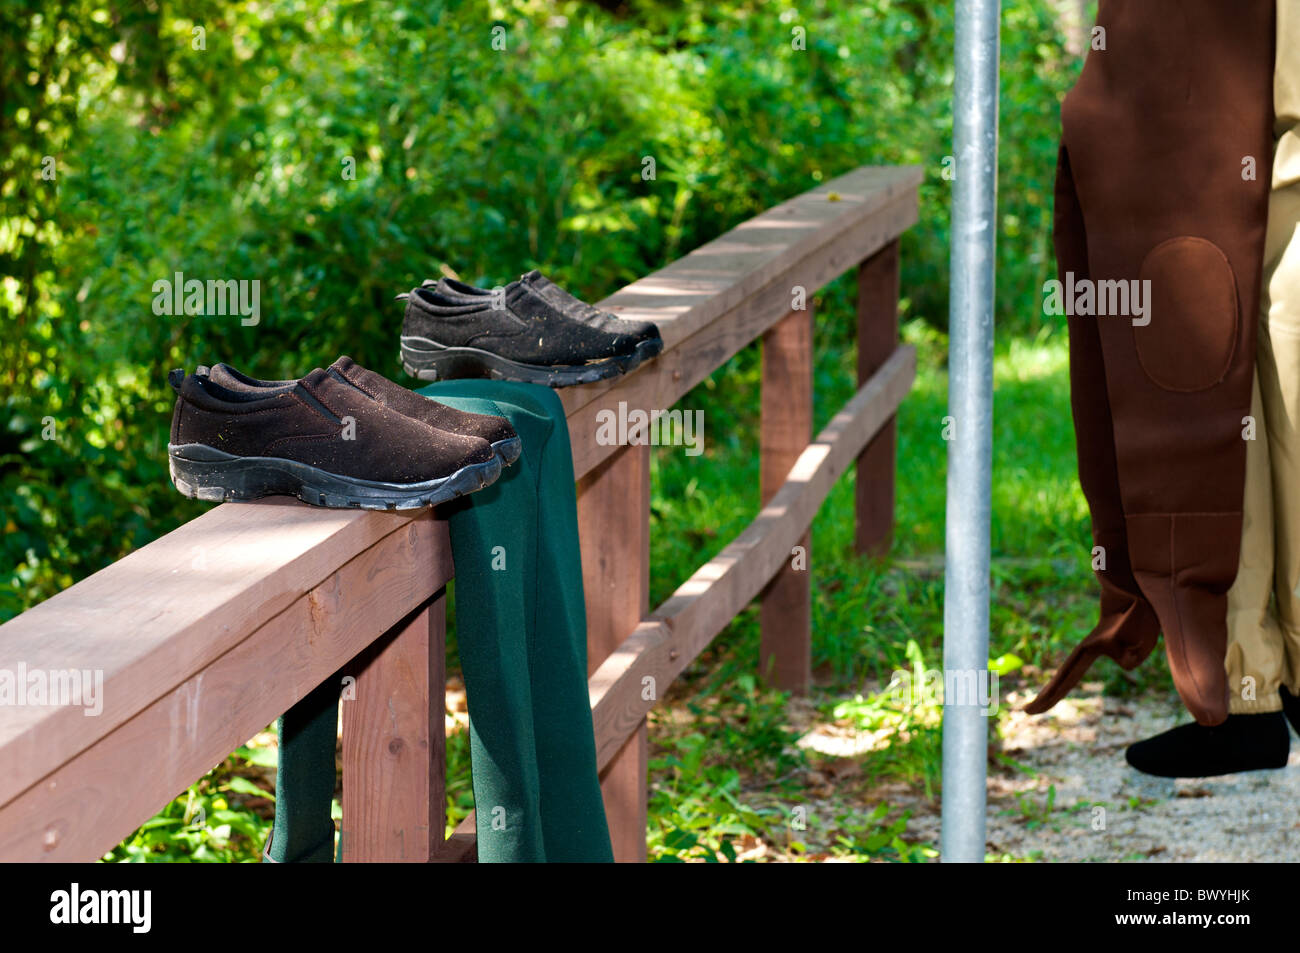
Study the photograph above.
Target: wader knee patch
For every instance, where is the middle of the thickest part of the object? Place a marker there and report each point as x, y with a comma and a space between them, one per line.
1193, 314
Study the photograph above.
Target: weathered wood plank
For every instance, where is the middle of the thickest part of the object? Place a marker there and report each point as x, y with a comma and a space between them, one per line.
92, 801
877, 338
715, 278
460, 847
614, 532
154, 618
675, 633
685, 363
394, 744
785, 612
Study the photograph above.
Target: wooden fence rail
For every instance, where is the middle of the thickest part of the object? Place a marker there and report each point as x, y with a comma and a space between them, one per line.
206, 635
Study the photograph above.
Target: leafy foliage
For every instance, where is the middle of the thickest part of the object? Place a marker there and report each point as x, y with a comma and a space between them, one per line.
224, 817
229, 162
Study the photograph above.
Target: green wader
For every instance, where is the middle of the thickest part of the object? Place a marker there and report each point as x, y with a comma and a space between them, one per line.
522, 633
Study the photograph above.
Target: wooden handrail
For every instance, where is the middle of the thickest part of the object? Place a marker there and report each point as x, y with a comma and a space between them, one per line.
721, 297
207, 634
111, 776
153, 619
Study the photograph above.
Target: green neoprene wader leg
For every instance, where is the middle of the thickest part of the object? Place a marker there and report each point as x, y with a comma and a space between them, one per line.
521, 631
304, 783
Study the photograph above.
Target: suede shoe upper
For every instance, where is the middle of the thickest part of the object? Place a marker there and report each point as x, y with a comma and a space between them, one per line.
567, 303
490, 428
589, 314
323, 422
527, 328
391, 395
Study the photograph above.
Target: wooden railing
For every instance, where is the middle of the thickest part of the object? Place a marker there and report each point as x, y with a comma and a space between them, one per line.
206, 635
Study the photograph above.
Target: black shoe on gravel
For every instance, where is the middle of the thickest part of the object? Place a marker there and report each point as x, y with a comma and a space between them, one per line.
576, 308
518, 336
321, 440
1245, 742
495, 430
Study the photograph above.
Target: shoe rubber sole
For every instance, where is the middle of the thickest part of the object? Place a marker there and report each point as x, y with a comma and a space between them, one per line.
508, 449
205, 473
430, 361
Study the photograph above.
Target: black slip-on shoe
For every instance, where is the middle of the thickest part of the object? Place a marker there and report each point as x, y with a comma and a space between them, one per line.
640, 331
518, 336
495, 430
321, 440
1254, 742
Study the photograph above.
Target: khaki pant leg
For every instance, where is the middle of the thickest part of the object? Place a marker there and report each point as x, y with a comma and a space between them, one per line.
1264, 642
1279, 363
1254, 657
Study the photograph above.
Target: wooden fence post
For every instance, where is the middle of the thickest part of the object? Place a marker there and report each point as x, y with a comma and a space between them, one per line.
785, 611
394, 744
877, 340
614, 531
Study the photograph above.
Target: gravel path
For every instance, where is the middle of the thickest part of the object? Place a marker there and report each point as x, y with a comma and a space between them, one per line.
1103, 810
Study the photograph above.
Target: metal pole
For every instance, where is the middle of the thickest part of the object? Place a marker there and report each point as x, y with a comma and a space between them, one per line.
970, 404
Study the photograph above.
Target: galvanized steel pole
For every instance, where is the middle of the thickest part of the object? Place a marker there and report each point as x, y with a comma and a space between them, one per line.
970, 404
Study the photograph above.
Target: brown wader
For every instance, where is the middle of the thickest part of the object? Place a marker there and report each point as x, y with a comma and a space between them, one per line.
1164, 177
